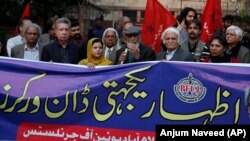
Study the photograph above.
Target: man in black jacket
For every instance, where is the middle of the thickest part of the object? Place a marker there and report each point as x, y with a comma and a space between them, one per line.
62, 50
134, 50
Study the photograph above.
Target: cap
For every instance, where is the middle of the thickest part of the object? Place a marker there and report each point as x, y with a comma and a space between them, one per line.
133, 30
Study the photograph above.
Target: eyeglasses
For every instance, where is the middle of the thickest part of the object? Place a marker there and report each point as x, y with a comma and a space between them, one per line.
34, 34
110, 36
132, 35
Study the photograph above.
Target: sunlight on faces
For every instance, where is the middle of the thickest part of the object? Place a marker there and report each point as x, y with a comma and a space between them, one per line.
62, 32
171, 41
216, 48
97, 50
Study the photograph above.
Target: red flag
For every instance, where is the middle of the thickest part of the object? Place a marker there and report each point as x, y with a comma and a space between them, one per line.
211, 19
157, 18
26, 13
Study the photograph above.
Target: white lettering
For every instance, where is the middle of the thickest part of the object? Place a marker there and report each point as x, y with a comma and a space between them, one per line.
163, 132
173, 133
196, 132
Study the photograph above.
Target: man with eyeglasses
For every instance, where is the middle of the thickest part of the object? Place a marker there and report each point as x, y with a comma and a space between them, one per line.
235, 48
134, 50
111, 44
31, 49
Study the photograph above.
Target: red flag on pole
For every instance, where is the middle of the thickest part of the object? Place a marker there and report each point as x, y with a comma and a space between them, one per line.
211, 19
156, 19
26, 13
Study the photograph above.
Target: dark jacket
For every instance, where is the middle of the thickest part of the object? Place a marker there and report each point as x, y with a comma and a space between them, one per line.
146, 54
179, 55
18, 51
55, 53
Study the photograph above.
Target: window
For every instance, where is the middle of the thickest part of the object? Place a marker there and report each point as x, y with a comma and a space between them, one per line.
131, 14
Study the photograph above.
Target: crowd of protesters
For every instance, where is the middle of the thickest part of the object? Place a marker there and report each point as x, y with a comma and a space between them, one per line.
62, 42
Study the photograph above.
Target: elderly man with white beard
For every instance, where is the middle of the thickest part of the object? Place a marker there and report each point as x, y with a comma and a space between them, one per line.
134, 50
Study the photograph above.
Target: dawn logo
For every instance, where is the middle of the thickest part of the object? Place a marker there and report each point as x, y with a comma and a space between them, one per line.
190, 90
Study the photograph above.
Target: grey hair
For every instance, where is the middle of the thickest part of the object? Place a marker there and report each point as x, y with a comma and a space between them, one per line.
32, 25
62, 20
238, 31
116, 35
171, 30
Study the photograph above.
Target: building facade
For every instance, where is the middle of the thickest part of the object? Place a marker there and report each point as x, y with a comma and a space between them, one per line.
135, 8
114, 10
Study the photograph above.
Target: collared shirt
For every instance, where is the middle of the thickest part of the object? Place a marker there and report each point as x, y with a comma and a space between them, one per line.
169, 55
108, 52
31, 54
64, 53
54, 52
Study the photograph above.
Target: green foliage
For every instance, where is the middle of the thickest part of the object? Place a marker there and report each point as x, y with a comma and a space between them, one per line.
244, 15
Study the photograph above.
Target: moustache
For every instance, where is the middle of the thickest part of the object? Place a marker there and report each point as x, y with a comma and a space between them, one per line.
77, 36
192, 33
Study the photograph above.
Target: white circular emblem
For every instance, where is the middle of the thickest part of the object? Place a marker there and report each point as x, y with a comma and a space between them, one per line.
190, 90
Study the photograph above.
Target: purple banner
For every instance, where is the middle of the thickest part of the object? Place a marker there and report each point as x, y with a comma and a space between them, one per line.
49, 101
